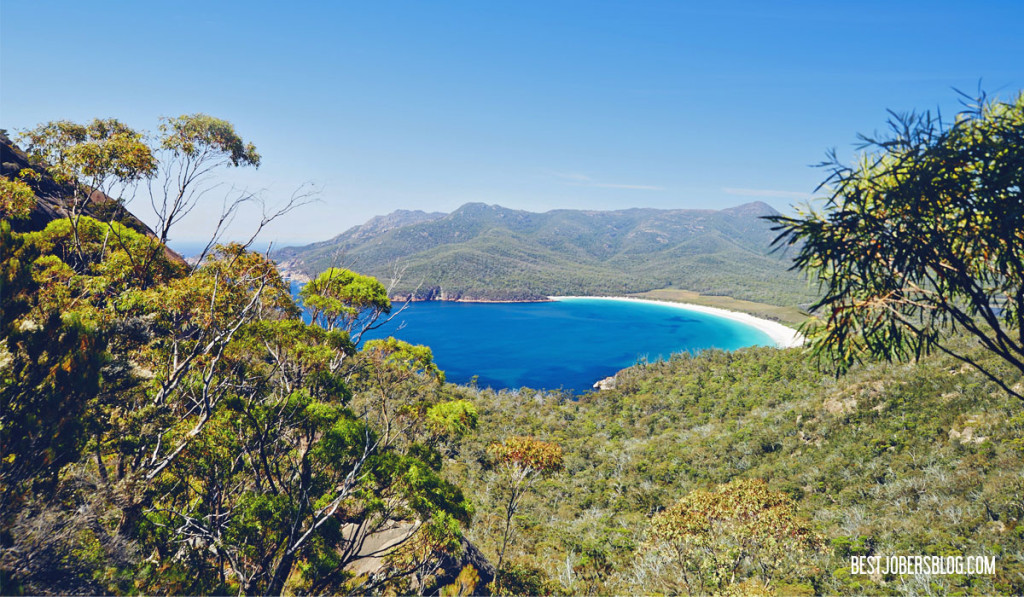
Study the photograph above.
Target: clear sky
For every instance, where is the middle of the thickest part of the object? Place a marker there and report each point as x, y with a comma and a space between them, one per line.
531, 105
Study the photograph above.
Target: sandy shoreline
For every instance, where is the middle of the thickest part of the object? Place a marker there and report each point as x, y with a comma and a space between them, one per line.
783, 336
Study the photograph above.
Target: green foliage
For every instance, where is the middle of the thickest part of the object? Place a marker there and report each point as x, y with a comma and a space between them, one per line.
114, 256
519, 578
57, 327
197, 136
402, 357
190, 415
452, 419
51, 371
91, 154
309, 356
16, 199
400, 383
921, 238
710, 541
889, 459
340, 298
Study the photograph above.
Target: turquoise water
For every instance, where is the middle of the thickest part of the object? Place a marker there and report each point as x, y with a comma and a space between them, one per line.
568, 344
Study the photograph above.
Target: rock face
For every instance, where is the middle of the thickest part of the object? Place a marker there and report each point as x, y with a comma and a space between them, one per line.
374, 547
289, 270
471, 555
608, 383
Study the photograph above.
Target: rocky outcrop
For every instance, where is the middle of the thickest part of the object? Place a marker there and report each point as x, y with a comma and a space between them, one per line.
470, 556
293, 271
608, 383
370, 560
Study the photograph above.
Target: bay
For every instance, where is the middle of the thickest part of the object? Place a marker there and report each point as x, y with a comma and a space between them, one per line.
567, 344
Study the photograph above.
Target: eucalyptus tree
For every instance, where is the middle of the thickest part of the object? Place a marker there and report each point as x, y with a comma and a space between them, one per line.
739, 537
342, 299
520, 461
923, 236
191, 147
91, 162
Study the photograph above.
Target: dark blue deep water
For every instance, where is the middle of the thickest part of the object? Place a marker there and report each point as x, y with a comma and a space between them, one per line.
567, 344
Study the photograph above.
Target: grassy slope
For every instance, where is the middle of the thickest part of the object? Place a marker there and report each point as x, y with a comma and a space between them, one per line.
873, 459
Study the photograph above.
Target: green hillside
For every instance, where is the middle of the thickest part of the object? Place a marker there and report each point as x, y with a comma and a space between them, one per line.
919, 459
490, 252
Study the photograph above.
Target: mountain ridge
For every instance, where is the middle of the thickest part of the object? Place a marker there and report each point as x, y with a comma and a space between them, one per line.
489, 252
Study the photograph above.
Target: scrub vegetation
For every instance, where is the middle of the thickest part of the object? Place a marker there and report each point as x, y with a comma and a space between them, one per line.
890, 459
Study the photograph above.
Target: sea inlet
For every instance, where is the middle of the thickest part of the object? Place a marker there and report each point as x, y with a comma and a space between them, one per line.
566, 344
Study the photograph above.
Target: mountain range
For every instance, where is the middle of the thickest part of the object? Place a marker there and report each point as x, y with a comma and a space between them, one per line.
488, 252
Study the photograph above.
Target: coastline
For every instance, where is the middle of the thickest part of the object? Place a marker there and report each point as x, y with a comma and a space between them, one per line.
783, 336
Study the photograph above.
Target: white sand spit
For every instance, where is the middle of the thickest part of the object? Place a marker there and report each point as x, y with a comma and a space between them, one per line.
783, 336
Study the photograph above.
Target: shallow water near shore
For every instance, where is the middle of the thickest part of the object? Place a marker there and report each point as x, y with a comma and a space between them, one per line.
568, 344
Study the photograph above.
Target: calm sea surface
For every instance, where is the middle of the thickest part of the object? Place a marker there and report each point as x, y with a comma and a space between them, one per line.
566, 344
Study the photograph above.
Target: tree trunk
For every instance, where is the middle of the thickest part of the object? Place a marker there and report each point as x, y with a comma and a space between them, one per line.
281, 572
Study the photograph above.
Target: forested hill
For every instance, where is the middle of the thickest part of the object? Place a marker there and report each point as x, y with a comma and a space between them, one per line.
484, 251
889, 459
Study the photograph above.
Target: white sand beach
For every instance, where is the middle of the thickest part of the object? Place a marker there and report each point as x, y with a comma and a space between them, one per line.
783, 336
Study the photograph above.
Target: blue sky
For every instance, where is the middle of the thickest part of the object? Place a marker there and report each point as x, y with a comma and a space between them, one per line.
531, 105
